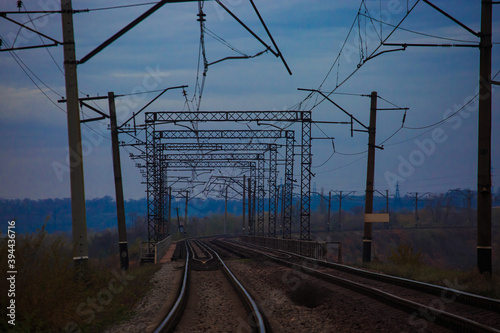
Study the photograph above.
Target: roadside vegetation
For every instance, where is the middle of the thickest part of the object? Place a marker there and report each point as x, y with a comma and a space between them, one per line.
52, 295
405, 262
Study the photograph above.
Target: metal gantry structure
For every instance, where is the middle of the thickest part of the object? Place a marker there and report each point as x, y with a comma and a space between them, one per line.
303, 117
164, 149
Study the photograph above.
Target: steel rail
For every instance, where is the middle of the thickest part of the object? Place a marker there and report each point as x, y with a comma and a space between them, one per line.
173, 317
196, 257
442, 318
260, 325
461, 296
168, 324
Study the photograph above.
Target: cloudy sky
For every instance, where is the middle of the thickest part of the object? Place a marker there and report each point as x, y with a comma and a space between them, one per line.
323, 42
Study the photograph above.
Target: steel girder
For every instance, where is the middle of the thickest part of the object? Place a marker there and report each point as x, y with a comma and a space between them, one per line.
287, 198
305, 175
164, 228
260, 195
152, 187
210, 157
215, 134
211, 164
273, 191
233, 116
217, 146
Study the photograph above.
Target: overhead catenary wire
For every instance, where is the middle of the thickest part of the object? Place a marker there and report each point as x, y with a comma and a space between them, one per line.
27, 71
452, 114
20, 61
41, 39
362, 62
342, 166
116, 7
421, 33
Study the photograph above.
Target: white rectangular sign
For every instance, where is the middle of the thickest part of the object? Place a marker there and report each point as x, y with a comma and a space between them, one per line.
374, 218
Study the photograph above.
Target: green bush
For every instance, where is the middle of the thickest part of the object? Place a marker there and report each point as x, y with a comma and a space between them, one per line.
404, 254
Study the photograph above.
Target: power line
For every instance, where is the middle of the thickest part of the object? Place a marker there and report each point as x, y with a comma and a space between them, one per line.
419, 33
391, 136
40, 37
340, 52
26, 69
343, 166
372, 54
115, 7
451, 115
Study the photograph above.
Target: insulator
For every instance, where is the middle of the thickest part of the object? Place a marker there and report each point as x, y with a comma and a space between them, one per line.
19, 4
1, 42
201, 17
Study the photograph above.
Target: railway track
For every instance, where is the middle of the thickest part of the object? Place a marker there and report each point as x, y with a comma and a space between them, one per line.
426, 303
205, 281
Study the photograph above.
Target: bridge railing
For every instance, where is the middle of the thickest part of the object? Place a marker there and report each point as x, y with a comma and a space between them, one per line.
311, 249
161, 248
152, 252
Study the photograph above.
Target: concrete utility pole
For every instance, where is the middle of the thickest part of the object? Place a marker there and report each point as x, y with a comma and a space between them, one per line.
117, 170
225, 210
416, 197
341, 196
387, 201
243, 211
169, 210
178, 221
329, 211
370, 176
484, 202
78, 214
250, 222
282, 209
340, 210
254, 205
186, 212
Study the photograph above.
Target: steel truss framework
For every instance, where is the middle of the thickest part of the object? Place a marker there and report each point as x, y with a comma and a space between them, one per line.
266, 134
233, 163
250, 165
218, 147
165, 117
153, 139
192, 161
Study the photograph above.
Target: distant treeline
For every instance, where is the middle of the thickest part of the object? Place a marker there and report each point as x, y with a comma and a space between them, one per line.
31, 215
101, 212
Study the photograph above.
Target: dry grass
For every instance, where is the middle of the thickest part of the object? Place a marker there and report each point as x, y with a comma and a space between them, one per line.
406, 263
51, 295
